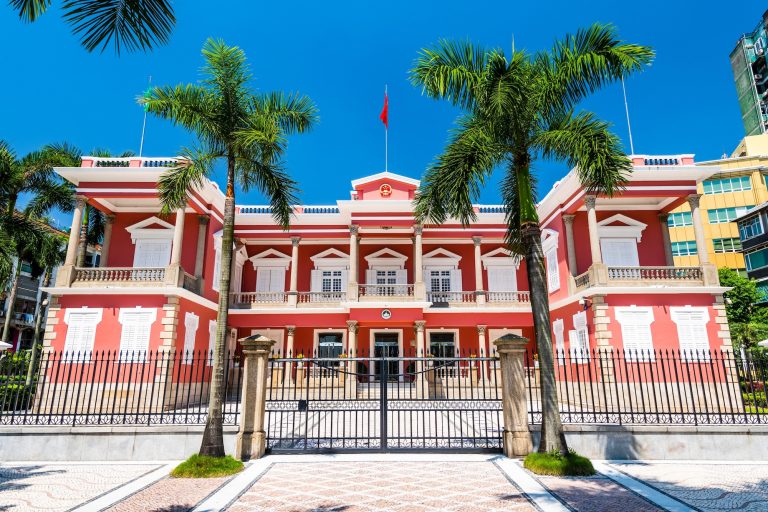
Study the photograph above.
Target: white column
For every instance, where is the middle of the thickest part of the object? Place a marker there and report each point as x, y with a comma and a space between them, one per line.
482, 349
352, 274
109, 220
202, 230
352, 337
293, 292
570, 247
663, 220
178, 237
698, 228
422, 381
594, 238
289, 352
479, 293
74, 232
419, 290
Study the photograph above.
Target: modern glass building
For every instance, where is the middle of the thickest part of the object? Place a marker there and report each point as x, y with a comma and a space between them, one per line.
750, 73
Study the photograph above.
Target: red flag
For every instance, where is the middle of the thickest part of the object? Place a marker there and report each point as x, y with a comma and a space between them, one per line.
384, 116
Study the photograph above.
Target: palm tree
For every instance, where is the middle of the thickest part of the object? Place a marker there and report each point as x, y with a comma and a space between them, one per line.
248, 131
32, 174
517, 109
126, 24
50, 254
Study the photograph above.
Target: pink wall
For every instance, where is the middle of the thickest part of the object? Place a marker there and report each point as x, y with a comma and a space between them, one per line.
399, 190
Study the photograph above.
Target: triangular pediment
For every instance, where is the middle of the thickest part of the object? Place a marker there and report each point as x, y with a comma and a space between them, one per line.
620, 226
442, 253
150, 223
270, 258
330, 254
151, 227
386, 253
271, 254
621, 220
501, 257
386, 175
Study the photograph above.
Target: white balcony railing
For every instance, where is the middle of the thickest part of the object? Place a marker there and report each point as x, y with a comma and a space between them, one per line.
244, 298
462, 297
119, 274
601, 275
386, 290
507, 297
314, 297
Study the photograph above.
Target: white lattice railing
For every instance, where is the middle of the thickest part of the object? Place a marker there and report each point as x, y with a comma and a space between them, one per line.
515, 296
386, 290
259, 297
451, 296
308, 297
655, 273
119, 274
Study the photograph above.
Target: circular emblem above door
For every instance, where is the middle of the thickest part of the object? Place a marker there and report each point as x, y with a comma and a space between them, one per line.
385, 190
386, 314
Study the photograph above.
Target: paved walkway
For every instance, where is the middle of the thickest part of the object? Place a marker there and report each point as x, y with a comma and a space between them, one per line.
386, 482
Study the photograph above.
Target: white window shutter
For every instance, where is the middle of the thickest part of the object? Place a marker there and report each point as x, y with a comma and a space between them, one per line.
317, 281
502, 279
692, 332
81, 332
370, 276
574, 344
401, 276
211, 342
553, 270
277, 280
456, 280
344, 279
558, 329
263, 278
217, 269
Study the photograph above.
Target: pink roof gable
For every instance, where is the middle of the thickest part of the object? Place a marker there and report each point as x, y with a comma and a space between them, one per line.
384, 185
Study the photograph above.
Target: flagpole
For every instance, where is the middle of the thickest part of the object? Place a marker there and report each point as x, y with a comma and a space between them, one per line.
629, 126
386, 139
144, 125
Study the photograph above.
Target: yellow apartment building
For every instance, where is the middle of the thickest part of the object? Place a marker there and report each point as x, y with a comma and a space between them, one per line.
725, 196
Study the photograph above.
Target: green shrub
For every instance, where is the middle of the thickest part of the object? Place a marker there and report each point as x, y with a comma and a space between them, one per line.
556, 464
15, 396
199, 466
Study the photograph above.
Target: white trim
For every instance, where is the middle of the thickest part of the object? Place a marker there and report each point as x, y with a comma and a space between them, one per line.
191, 324
631, 229
440, 258
140, 231
456, 342
324, 261
316, 338
501, 257
93, 322
702, 352
378, 261
371, 345
622, 314
382, 176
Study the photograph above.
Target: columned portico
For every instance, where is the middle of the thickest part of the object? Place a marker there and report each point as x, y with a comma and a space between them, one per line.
698, 228
66, 273
668, 257
569, 244
419, 289
293, 290
479, 292
106, 240
594, 237
352, 290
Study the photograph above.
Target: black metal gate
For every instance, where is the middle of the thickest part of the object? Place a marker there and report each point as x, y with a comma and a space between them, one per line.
383, 404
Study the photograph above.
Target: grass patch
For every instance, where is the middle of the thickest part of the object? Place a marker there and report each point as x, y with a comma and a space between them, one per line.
199, 466
555, 464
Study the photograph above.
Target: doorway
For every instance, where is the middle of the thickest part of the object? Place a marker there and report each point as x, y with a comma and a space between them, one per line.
386, 344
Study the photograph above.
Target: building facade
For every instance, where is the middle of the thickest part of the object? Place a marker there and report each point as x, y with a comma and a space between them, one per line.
750, 73
754, 242
739, 185
361, 275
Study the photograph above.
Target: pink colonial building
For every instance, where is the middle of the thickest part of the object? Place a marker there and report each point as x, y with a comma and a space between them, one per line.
362, 275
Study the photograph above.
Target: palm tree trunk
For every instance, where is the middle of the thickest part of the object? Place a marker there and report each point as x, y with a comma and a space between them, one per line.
38, 326
213, 436
82, 245
552, 435
11, 301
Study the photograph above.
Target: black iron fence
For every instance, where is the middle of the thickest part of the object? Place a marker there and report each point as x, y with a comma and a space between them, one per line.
111, 387
430, 401
654, 387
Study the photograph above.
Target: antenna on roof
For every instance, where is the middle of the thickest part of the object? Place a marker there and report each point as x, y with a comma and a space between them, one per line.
629, 126
144, 125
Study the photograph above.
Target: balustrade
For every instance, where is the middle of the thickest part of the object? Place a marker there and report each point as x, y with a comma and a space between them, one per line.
119, 274
511, 296
385, 290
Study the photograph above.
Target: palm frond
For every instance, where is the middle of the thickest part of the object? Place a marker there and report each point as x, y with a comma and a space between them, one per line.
450, 70
454, 181
510, 197
64, 154
271, 180
581, 64
126, 24
190, 106
95, 229
293, 113
195, 165
226, 72
586, 143
51, 194
30, 10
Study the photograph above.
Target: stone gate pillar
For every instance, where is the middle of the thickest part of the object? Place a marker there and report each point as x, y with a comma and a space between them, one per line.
516, 434
251, 441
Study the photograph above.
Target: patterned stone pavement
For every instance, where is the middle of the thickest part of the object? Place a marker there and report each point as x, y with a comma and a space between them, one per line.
59, 487
377, 486
169, 495
596, 494
707, 487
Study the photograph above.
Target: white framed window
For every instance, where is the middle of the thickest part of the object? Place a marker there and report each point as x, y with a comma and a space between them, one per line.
270, 279
211, 342
216, 263
579, 338
692, 332
153, 238
136, 328
636, 332
331, 281
558, 329
502, 279
191, 322
330, 275
751, 227
81, 330
553, 270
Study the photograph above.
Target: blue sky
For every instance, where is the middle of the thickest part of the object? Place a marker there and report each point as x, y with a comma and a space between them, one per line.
342, 53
